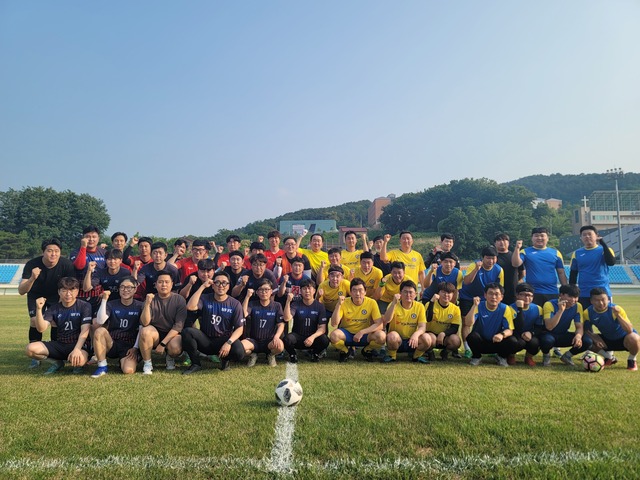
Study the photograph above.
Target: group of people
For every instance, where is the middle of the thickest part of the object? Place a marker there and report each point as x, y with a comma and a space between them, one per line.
201, 300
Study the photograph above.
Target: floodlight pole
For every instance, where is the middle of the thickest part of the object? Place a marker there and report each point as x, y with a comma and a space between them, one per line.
616, 173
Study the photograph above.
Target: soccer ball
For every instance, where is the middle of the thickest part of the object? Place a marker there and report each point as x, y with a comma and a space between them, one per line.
592, 362
288, 393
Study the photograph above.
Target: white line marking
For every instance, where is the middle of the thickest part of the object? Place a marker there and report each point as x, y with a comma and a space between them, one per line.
281, 460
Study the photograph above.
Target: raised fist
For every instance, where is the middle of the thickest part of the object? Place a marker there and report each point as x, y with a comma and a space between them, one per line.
105, 295
261, 238
220, 248
396, 297
518, 244
35, 273
478, 264
84, 242
207, 283
476, 301
387, 237
285, 278
192, 279
40, 302
136, 265
149, 298
223, 265
323, 264
134, 241
103, 245
519, 303
434, 266
245, 279
320, 292
290, 296
92, 266
341, 299
250, 292
435, 297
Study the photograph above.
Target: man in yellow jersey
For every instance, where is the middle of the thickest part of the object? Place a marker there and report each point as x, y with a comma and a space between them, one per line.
407, 324
443, 321
359, 323
315, 254
370, 275
389, 286
351, 255
413, 261
333, 288
335, 258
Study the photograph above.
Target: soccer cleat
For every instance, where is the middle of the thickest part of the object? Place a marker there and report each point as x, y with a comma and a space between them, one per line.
566, 359
557, 352
34, 363
632, 365
54, 367
323, 353
293, 358
186, 362
147, 369
503, 362
423, 360
344, 356
528, 360
225, 364
100, 371
315, 357
546, 359
444, 354
171, 362
610, 361
253, 358
192, 369
388, 359
511, 359
467, 353
77, 370
271, 360
368, 355
352, 352
474, 362
456, 354
431, 355
215, 359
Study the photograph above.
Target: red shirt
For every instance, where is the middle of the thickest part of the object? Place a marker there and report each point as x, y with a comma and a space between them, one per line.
271, 257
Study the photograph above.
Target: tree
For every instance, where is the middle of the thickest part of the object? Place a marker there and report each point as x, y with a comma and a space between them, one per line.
40, 213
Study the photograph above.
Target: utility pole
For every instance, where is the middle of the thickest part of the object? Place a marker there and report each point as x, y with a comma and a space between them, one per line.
617, 173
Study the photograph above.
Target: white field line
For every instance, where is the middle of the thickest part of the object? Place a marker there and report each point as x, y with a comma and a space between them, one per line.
446, 465
281, 460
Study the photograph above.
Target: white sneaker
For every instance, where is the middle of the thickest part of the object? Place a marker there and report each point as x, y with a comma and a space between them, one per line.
253, 358
546, 359
474, 362
271, 360
501, 361
171, 362
147, 368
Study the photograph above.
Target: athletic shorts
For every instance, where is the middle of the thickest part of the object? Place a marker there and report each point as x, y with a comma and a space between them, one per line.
364, 341
616, 345
31, 306
260, 346
119, 349
61, 351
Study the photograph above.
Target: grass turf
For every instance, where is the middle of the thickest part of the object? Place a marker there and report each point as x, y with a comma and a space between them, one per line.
357, 419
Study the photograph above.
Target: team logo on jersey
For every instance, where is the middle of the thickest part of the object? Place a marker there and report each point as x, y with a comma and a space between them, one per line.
449, 317
341, 293
414, 259
414, 316
364, 311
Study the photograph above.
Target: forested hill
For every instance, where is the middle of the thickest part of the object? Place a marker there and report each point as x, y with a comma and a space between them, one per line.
571, 188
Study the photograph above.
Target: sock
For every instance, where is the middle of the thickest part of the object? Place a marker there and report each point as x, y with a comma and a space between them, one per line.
34, 335
418, 353
373, 346
605, 354
341, 346
632, 357
392, 353
148, 362
102, 363
610, 353
466, 346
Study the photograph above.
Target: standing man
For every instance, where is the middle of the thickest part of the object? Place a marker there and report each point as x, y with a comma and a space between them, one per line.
315, 254
351, 254
544, 266
89, 251
512, 275
108, 278
40, 278
164, 315
148, 274
413, 262
189, 266
274, 251
445, 272
221, 325
590, 264
446, 244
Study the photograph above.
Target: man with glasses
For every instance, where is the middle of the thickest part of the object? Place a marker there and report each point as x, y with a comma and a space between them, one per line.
265, 324
221, 325
250, 281
117, 322
291, 252
189, 266
72, 316
164, 315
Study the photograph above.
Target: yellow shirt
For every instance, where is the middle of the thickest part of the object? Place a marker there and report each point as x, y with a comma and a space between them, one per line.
330, 294
413, 263
346, 271
390, 289
371, 280
444, 317
405, 321
351, 259
315, 258
357, 317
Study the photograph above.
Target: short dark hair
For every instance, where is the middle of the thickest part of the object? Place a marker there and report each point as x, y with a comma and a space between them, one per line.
489, 251
296, 260
571, 290
350, 232
221, 273
598, 291
446, 287
157, 245
399, 265
494, 285
181, 241
290, 237
366, 256
449, 255
164, 272
118, 234
130, 278
273, 234
405, 231
335, 268
317, 235
257, 246
357, 281
206, 264
589, 227
113, 253
199, 242
89, 229
264, 281
525, 287
236, 253
378, 237
145, 240
50, 241
334, 250
408, 283
258, 257
70, 283
501, 236
447, 236
539, 230
307, 282
233, 238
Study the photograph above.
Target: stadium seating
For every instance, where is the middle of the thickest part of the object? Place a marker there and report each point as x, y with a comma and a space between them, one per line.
636, 271
7, 272
617, 274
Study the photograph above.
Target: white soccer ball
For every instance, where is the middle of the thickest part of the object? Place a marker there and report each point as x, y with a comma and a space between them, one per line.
288, 392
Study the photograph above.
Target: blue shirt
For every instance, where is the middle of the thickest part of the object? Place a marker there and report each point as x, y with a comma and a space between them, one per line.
541, 265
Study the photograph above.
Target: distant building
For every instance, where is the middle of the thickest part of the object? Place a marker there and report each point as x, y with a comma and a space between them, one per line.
358, 231
295, 227
554, 203
375, 209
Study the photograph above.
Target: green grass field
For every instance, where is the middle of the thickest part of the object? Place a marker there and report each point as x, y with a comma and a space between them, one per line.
357, 420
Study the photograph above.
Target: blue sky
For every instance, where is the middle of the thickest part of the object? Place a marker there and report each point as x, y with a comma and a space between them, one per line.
188, 117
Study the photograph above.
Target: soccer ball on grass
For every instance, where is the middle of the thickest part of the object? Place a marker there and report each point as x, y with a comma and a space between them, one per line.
592, 362
288, 393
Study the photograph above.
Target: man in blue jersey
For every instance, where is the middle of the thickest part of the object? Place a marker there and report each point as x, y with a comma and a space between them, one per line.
616, 331
492, 327
544, 266
148, 274
590, 264
72, 316
310, 320
445, 272
265, 324
528, 323
221, 324
108, 278
117, 323
558, 316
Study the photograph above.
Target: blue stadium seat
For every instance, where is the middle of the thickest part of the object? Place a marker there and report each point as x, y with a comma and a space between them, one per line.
636, 271
7, 272
617, 274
